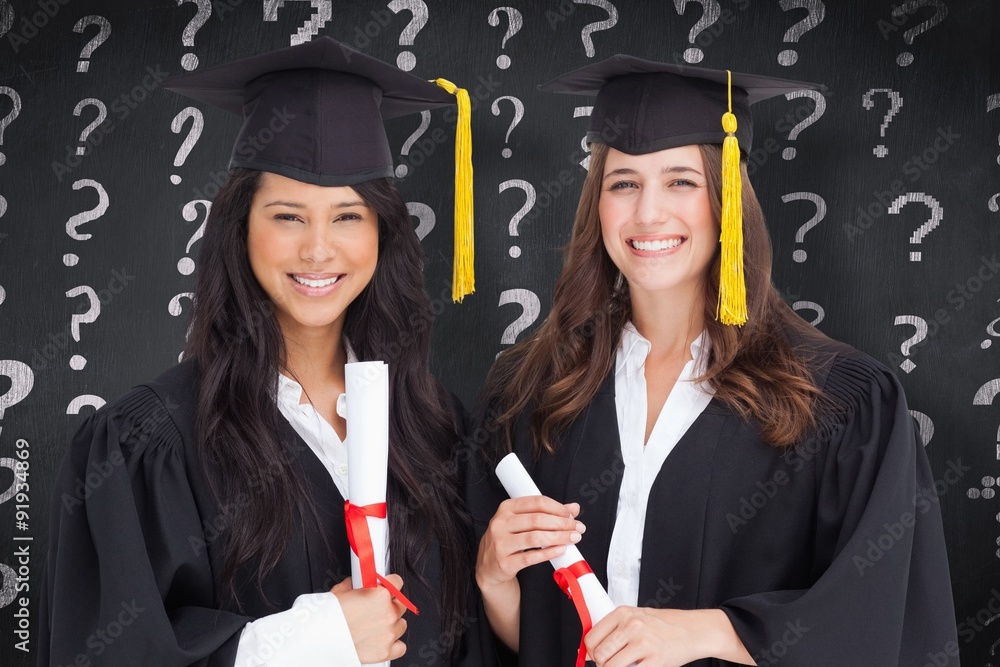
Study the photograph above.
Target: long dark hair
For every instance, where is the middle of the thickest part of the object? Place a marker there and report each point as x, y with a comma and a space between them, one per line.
753, 369
239, 350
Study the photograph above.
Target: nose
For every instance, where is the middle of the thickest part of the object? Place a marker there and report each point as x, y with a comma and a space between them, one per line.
651, 207
317, 244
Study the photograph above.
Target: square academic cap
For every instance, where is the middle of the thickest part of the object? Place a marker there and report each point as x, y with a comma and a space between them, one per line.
314, 112
663, 105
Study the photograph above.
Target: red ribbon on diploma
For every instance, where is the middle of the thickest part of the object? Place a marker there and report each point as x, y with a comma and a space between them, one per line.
361, 544
568, 580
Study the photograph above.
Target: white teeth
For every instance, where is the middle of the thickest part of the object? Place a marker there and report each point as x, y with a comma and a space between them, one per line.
314, 283
653, 246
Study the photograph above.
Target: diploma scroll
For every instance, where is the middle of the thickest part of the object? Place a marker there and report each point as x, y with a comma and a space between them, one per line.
367, 407
518, 483
367, 414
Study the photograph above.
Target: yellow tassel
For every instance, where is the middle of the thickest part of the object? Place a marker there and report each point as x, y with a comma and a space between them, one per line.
732, 308
464, 275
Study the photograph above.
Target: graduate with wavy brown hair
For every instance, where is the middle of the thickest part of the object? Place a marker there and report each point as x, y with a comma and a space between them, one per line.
748, 490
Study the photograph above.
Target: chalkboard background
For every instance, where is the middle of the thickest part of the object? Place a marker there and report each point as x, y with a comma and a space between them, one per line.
901, 157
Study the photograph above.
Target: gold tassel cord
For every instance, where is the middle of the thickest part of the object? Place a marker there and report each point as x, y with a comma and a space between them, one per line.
732, 308
463, 276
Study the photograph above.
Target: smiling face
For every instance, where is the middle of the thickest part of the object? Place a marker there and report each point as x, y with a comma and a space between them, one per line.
313, 249
656, 219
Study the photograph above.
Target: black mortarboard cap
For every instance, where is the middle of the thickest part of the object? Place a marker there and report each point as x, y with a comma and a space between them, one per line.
645, 106
314, 111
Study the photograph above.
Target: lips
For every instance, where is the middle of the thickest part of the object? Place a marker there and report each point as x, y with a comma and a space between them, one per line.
650, 246
315, 284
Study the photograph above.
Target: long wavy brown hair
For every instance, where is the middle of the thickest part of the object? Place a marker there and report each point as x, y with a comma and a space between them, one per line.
753, 369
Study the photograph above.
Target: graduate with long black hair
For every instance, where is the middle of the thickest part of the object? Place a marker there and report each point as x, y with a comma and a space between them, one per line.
218, 532
748, 490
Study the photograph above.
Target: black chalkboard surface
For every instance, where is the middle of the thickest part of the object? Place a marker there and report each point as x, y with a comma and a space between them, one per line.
883, 200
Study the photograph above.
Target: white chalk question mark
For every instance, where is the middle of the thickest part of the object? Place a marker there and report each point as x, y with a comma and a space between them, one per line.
104, 31
22, 380
197, 126
79, 402
77, 362
993, 102
185, 265
992, 203
591, 28
312, 26
985, 396
991, 330
940, 12
817, 12
531, 308
175, 309
514, 23
518, 115
11, 116
800, 254
809, 305
817, 113
6, 20
425, 217
103, 202
711, 11
937, 214
926, 426
895, 104
102, 115
529, 191
406, 60
189, 61
425, 122
577, 113
920, 324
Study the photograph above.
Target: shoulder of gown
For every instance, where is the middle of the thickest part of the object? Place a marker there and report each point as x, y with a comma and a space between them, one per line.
883, 593
126, 541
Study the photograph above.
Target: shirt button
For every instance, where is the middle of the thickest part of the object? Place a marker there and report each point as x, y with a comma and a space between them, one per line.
634, 499
619, 568
342, 468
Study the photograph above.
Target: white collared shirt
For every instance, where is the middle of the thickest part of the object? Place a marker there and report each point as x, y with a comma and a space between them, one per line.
687, 400
314, 631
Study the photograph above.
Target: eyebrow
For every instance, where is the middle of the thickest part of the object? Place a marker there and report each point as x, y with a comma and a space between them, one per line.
627, 171
292, 204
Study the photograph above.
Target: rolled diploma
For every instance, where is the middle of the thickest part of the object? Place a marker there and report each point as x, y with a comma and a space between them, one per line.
367, 406
518, 483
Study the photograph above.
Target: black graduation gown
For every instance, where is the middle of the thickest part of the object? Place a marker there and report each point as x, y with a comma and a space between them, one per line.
135, 555
831, 553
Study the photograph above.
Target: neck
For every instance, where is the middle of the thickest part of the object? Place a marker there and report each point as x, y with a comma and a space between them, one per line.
669, 320
315, 355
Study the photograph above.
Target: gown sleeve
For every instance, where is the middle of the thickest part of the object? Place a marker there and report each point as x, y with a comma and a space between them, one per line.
128, 578
882, 591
